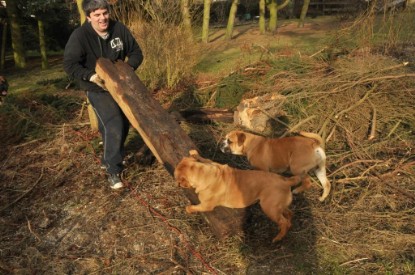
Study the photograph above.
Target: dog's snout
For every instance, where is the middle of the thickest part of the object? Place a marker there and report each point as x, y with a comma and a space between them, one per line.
225, 147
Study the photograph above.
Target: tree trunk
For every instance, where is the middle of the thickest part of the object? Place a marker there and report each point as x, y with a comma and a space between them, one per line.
3, 46
82, 16
231, 20
17, 41
187, 22
42, 44
262, 16
273, 16
273, 10
303, 13
206, 18
161, 133
93, 120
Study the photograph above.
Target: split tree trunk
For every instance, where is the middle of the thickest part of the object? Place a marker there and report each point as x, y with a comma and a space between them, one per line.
161, 133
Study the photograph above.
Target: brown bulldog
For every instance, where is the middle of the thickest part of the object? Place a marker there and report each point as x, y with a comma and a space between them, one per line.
221, 185
296, 155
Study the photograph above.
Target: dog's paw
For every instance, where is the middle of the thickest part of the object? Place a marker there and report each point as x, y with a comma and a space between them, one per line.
189, 209
323, 197
277, 239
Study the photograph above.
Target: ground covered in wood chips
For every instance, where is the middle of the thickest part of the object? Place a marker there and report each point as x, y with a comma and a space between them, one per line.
58, 215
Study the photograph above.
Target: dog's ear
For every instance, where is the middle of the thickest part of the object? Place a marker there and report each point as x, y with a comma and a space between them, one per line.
241, 138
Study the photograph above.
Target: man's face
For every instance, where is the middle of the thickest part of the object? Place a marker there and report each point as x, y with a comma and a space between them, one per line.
99, 20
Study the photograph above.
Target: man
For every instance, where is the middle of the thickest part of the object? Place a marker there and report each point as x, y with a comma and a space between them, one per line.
102, 37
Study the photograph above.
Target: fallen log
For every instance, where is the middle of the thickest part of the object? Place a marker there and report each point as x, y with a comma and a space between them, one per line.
205, 115
161, 133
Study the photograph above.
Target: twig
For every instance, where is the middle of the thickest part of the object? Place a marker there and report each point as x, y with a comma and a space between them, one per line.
391, 174
360, 101
365, 80
292, 129
353, 163
24, 194
354, 261
393, 129
402, 191
403, 64
70, 124
318, 52
384, 180
82, 110
387, 77
211, 99
324, 126
347, 180
372, 134
327, 239
266, 50
28, 143
31, 231
331, 133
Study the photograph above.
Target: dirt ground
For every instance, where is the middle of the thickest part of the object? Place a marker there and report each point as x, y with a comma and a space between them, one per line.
58, 215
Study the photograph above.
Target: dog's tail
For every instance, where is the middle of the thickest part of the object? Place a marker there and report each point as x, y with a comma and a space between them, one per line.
314, 136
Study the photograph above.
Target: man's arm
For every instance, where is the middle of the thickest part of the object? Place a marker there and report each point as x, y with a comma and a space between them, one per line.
73, 59
134, 53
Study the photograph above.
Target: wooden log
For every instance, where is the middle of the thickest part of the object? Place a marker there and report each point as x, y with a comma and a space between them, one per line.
92, 117
205, 115
161, 133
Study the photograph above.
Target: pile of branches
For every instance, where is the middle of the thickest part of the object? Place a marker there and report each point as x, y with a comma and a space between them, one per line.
362, 105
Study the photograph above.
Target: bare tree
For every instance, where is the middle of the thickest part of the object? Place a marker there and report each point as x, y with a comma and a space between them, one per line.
231, 19
187, 22
303, 13
42, 44
273, 13
3, 22
81, 12
3, 45
19, 54
206, 19
262, 16
93, 120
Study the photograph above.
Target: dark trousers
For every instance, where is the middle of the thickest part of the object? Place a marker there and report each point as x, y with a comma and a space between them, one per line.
113, 126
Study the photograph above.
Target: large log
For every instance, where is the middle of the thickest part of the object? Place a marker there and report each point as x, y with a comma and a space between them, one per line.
161, 133
205, 115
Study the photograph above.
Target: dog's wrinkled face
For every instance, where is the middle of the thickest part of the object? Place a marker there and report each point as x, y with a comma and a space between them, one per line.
180, 173
233, 143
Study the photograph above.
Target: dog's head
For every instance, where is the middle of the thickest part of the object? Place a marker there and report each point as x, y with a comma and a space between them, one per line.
234, 143
181, 172
192, 173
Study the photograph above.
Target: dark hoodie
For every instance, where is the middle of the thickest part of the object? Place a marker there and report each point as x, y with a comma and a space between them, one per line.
85, 46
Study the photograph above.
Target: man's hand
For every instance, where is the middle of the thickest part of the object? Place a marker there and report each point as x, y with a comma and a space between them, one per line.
97, 80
